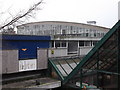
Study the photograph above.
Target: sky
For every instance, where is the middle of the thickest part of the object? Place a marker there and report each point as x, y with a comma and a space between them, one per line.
104, 12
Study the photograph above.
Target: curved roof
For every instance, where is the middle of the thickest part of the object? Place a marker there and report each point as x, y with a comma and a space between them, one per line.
62, 22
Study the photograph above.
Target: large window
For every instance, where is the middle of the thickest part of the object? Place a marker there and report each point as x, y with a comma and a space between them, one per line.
94, 43
63, 32
63, 44
59, 44
87, 43
81, 43
52, 44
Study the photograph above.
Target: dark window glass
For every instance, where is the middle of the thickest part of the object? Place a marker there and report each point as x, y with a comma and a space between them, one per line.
57, 44
52, 44
87, 43
63, 44
81, 43
94, 43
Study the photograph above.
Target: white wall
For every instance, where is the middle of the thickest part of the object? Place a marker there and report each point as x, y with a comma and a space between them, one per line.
57, 52
84, 50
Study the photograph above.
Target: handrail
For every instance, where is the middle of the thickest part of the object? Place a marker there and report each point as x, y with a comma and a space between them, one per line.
97, 46
56, 69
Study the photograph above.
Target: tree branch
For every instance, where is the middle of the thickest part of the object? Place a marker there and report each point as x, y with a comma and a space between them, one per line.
18, 17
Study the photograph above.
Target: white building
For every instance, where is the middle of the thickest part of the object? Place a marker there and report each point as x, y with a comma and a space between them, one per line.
76, 38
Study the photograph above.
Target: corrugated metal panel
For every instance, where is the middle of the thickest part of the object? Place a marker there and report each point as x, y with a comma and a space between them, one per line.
12, 61
9, 61
42, 59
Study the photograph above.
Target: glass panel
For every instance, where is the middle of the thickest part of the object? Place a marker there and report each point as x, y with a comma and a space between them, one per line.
57, 44
52, 44
81, 43
63, 44
87, 43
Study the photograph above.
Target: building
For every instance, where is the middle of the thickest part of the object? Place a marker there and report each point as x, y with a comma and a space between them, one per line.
77, 38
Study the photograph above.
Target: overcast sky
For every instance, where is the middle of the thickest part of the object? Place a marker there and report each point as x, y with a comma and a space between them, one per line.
104, 12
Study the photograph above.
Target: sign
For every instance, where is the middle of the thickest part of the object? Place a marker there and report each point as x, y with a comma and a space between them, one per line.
52, 51
24, 49
26, 65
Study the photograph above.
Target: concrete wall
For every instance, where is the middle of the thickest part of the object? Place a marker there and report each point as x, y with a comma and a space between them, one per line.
84, 50
57, 52
10, 62
42, 58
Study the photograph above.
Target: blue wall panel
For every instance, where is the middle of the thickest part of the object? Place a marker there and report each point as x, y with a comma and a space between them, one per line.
27, 45
31, 48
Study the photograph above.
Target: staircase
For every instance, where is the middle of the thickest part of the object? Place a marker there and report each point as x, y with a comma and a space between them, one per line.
64, 65
101, 62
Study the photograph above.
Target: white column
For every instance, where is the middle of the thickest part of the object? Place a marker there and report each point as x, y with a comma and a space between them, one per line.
54, 44
67, 44
78, 44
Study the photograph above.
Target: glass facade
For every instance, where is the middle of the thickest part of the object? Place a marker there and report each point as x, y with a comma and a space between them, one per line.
64, 29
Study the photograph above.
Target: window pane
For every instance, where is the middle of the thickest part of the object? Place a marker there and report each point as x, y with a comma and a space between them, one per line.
52, 44
63, 44
87, 43
81, 43
57, 44
94, 42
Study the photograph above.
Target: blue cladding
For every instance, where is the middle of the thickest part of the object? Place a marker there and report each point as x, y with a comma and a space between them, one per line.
27, 45
31, 48
24, 37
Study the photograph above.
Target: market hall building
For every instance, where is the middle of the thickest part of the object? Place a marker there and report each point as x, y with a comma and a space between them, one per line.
70, 37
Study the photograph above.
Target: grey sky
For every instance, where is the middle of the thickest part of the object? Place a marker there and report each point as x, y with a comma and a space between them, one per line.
104, 12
